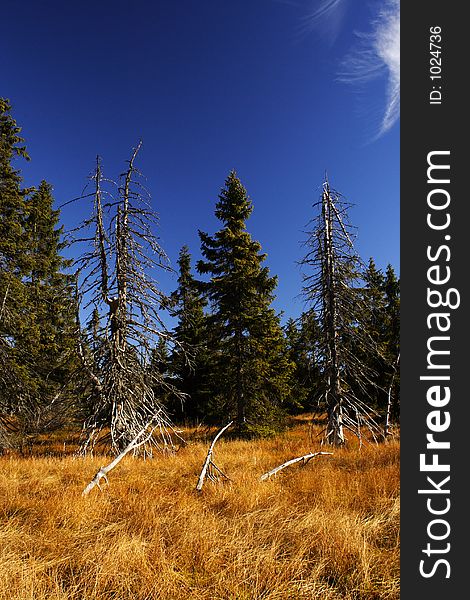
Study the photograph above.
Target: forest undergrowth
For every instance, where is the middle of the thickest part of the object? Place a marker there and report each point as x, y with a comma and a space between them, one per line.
328, 530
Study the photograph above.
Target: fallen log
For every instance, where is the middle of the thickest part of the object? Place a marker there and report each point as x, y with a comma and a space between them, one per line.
209, 464
305, 459
102, 473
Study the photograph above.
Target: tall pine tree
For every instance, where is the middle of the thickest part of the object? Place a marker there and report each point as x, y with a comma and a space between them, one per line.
252, 368
13, 298
189, 360
382, 298
375, 325
392, 306
49, 342
12, 199
302, 349
36, 324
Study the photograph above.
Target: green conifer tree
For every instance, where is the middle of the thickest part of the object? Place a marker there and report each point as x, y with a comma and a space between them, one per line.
375, 297
13, 297
12, 213
189, 361
374, 324
36, 322
391, 287
12, 199
252, 369
302, 349
48, 345
381, 296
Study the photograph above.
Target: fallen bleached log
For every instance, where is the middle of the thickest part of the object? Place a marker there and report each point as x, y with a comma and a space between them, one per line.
102, 473
304, 458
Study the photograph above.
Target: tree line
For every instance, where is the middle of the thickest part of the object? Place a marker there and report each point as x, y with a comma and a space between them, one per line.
84, 342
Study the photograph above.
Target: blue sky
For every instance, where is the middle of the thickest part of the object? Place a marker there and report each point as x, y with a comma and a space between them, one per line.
279, 90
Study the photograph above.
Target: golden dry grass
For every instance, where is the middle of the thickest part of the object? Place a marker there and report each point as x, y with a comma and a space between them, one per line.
328, 531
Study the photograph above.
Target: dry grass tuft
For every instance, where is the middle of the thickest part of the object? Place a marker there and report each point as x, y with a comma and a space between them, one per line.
329, 530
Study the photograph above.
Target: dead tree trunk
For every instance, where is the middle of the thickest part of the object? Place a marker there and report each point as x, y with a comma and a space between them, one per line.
335, 433
332, 288
390, 399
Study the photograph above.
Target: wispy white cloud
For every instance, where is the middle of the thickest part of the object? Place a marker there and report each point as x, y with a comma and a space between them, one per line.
377, 54
388, 50
326, 17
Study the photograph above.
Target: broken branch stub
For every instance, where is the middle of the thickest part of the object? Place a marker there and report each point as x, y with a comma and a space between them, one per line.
306, 458
209, 465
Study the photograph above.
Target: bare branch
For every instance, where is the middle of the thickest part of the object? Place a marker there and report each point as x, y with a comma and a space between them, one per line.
305, 459
208, 462
102, 473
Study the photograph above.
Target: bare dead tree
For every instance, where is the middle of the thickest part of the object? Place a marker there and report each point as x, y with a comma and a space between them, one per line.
395, 367
331, 288
116, 290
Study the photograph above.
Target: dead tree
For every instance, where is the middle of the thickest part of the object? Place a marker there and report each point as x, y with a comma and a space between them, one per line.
116, 290
386, 432
331, 288
209, 468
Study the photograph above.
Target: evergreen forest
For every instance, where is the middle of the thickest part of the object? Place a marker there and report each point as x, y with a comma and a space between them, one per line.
85, 342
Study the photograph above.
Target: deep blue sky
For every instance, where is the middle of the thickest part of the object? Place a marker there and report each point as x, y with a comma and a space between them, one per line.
209, 85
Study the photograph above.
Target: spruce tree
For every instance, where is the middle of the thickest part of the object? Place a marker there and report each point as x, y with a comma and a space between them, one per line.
391, 287
189, 360
381, 296
36, 323
375, 298
13, 243
13, 296
302, 350
162, 379
375, 326
49, 343
251, 367
12, 199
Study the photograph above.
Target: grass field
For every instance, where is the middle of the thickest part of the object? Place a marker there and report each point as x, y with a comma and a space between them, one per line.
327, 531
